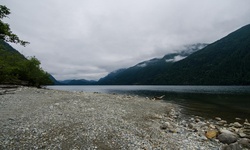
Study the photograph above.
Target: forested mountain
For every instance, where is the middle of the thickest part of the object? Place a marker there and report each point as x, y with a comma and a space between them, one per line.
224, 62
16, 69
145, 72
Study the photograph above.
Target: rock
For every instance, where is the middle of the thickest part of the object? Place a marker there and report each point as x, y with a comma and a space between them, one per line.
227, 138
191, 125
218, 118
165, 125
156, 116
238, 119
197, 120
11, 119
222, 122
236, 130
211, 126
246, 124
237, 125
211, 133
51, 107
242, 135
244, 143
246, 120
233, 146
225, 131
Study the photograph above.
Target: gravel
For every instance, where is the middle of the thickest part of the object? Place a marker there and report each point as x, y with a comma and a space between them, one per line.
32, 118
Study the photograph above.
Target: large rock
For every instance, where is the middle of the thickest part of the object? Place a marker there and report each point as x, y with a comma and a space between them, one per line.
244, 143
233, 146
227, 138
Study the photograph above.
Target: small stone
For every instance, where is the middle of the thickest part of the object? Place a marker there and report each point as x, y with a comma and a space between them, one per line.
211, 133
197, 120
173, 131
165, 125
191, 125
11, 119
222, 122
238, 119
226, 131
235, 130
242, 135
246, 124
237, 125
57, 104
212, 126
227, 138
218, 118
51, 107
158, 116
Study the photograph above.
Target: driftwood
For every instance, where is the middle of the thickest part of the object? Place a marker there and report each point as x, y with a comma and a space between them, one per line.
8, 86
8, 89
158, 97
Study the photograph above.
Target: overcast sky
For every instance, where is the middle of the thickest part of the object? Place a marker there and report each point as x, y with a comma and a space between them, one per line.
87, 39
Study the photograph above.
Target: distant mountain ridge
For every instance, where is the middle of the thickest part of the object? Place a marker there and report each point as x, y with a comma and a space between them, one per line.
224, 62
145, 72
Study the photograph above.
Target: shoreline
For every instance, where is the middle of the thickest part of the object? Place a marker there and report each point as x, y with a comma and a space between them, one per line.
34, 118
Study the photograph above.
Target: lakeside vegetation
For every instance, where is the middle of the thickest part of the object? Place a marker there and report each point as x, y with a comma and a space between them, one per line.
14, 67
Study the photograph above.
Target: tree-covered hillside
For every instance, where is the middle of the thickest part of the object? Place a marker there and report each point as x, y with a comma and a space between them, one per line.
224, 62
145, 72
16, 69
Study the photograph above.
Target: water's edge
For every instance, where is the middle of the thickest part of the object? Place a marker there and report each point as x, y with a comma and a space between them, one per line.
228, 102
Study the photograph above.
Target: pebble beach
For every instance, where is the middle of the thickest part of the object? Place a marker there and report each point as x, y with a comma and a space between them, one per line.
32, 118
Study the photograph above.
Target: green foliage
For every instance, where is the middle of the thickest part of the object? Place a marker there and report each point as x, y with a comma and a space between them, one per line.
16, 69
224, 62
5, 31
145, 72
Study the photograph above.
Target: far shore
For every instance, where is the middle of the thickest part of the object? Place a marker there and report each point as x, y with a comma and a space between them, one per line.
32, 118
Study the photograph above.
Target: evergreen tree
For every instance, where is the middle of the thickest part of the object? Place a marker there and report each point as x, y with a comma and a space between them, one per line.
5, 31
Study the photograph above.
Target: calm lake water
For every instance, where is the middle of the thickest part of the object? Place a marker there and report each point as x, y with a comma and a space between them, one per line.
226, 102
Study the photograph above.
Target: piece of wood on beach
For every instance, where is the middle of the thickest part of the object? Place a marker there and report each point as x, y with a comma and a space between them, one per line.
158, 97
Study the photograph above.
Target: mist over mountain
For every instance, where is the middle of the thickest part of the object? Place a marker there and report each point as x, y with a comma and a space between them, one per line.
145, 72
224, 62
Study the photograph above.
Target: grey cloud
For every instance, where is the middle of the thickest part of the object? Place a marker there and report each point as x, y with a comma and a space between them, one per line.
89, 38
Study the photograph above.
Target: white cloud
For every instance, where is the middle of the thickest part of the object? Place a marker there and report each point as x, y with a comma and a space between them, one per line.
89, 38
175, 59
